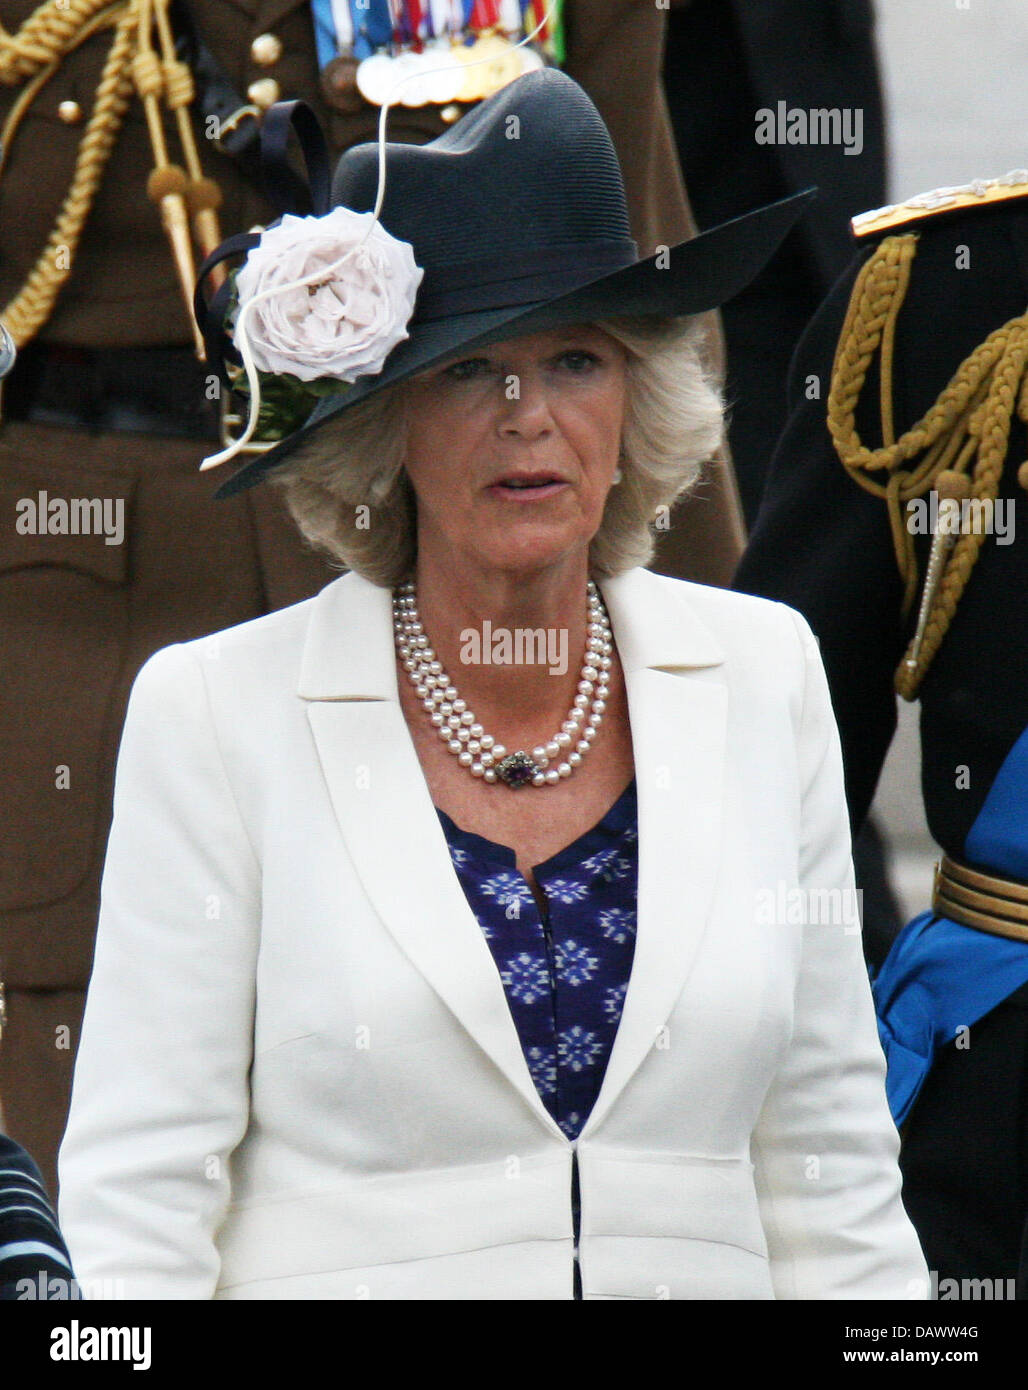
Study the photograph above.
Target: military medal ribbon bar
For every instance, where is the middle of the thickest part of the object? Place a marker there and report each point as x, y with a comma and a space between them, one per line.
429, 52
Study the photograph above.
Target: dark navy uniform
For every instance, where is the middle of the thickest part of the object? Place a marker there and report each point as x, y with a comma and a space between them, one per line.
952, 996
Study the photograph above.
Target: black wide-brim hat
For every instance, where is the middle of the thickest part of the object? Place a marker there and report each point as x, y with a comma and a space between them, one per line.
517, 216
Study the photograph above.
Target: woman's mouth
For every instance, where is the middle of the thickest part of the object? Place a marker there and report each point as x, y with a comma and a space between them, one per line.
527, 487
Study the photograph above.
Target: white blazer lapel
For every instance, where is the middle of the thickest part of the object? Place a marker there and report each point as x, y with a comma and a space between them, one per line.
375, 781
678, 734
388, 822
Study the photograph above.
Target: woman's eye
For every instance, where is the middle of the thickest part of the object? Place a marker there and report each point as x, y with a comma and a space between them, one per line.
469, 367
579, 360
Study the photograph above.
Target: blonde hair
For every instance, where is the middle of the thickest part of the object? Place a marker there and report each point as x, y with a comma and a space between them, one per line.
349, 493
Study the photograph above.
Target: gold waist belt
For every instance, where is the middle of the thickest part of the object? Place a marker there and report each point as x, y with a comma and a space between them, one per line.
974, 899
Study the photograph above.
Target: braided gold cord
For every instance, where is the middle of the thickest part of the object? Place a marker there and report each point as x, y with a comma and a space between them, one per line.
202, 194
971, 419
32, 56
994, 427
31, 307
43, 37
103, 19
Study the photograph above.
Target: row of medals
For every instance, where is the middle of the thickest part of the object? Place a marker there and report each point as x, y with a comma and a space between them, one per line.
444, 71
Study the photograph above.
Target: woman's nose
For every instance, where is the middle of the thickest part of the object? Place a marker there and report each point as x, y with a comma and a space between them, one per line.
526, 405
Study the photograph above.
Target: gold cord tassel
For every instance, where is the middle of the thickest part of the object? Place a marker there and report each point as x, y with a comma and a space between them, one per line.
168, 182
952, 489
202, 194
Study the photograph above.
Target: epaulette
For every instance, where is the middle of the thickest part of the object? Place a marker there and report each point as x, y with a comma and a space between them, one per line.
980, 193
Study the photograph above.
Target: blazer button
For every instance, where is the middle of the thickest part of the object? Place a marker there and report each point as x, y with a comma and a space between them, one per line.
266, 49
70, 112
264, 92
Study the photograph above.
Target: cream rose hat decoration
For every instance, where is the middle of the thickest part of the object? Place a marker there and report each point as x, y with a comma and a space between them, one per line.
345, 320
320, 298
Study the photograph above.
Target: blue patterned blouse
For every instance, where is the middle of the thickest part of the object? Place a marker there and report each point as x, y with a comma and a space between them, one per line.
565, 970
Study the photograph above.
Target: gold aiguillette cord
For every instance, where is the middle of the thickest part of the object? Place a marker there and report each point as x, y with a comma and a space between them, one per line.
187, 200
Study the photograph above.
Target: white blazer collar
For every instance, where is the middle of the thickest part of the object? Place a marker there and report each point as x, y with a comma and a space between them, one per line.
396, 842
349, 652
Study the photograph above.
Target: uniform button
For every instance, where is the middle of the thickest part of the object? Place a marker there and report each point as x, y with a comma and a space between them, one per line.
70, 112
451, 113
264, 92
266, 49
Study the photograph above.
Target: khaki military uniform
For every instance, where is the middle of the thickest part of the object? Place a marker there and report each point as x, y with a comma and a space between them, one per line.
79, 616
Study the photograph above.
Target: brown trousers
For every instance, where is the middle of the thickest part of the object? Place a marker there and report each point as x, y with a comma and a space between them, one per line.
78, 617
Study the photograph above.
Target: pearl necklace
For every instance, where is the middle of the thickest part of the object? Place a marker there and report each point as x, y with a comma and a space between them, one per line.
464, 736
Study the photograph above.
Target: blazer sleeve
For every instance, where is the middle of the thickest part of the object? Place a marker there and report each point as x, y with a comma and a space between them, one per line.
825, 1148
160, 1096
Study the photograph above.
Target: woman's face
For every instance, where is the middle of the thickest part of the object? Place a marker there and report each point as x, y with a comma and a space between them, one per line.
511, 448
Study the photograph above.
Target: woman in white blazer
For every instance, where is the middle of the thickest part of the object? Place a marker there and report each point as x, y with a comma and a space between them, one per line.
307, 1067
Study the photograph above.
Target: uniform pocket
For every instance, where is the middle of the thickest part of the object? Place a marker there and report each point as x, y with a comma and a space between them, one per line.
63, 617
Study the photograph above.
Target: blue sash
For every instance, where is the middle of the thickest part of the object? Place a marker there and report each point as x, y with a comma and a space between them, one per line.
940, 977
